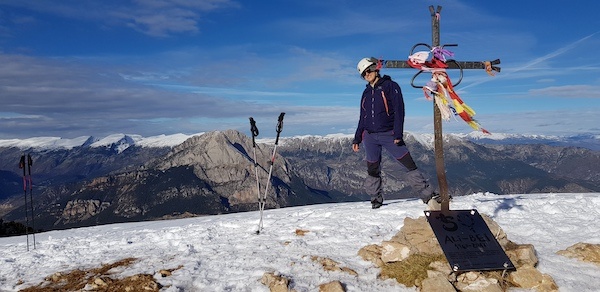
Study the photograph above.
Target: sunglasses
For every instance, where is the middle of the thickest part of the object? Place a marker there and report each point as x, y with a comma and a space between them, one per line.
366, 71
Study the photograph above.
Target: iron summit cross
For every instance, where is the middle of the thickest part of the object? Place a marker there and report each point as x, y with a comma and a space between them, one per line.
489, 66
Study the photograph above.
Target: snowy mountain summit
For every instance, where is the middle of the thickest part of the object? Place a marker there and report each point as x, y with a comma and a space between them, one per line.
224, 253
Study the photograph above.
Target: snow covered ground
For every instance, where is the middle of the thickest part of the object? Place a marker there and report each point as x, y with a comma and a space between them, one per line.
223, 253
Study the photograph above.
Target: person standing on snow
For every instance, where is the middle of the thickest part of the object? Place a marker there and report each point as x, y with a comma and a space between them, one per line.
381, 125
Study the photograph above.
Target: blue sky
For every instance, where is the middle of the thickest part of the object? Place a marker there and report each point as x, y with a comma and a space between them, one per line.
83, 67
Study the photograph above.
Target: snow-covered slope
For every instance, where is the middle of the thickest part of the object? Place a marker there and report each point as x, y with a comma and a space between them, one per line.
223, 253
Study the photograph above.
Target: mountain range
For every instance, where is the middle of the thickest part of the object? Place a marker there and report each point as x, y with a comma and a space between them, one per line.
120, 178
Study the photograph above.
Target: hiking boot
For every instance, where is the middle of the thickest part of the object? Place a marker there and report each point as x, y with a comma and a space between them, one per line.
434, 205
433, 196
434, 201
376, 205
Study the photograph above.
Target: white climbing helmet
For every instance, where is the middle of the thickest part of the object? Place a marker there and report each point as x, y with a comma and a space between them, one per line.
366, 63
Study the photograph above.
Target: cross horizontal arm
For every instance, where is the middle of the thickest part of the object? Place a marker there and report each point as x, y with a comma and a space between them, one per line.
451, 64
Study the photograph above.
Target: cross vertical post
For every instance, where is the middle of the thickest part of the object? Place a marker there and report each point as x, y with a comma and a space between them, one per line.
489, 66
437, 121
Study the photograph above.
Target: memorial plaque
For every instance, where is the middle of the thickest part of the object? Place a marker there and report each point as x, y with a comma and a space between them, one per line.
467, 241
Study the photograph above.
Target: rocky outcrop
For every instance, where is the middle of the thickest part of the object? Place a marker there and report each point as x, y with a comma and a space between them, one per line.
333, 286
414, 258
78, 210
276, 282
331, 265
582, 251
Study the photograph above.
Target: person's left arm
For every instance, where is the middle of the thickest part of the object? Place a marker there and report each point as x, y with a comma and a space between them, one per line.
399, 112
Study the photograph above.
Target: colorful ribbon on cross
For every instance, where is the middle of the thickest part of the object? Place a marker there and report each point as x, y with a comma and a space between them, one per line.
444, 95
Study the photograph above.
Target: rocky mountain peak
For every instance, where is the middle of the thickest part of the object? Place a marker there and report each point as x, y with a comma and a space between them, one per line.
229, 150
225, 160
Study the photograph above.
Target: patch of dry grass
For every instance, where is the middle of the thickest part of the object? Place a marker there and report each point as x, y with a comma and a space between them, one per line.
412, 270
98, 279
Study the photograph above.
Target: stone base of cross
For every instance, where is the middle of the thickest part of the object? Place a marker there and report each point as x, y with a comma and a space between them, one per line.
435, 66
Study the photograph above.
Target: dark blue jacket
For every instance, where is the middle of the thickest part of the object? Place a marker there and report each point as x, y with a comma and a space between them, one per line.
381, 109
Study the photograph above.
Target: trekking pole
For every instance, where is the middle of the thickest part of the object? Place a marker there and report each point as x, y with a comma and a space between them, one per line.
23, 166
254, 131
271, 162
29, 163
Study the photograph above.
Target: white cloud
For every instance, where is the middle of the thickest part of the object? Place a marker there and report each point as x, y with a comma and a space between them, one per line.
575, 91
157, 18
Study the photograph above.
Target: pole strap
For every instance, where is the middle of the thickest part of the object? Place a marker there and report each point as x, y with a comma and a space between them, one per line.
279, 127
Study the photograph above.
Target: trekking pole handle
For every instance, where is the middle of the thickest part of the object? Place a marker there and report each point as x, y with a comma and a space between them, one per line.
29, 163
22, 166
279, 127
253, 130
22, 163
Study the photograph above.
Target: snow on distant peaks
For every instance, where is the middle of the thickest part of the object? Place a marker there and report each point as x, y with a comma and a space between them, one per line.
119, 141
426, 140
337, 136
122, 141
165, 140
503, 136
116, 139
45, 142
